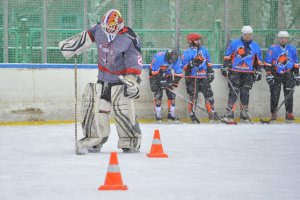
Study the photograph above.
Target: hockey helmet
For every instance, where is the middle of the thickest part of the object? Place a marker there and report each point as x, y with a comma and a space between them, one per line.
283, 34
247, 30
192, 37
172, 56
111, 23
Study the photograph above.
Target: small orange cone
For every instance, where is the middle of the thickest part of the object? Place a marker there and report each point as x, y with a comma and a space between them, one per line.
156, 148
113, 180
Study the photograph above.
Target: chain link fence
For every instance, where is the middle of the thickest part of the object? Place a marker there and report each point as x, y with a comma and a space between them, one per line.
31, 29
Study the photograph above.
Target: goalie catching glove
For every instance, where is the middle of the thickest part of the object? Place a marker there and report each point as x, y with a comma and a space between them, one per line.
131, 86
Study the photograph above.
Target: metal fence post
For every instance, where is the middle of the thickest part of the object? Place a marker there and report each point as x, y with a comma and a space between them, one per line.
226, 22
5, 31
217, 41
177, 24
45, 30
85, 26
130, 13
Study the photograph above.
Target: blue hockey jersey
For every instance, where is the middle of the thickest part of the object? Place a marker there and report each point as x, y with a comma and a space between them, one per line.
243, 60
196, 71
159, 63
282, 59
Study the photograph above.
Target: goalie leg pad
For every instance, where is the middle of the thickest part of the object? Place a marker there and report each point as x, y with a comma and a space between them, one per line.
94, 116
129, 135
75, 45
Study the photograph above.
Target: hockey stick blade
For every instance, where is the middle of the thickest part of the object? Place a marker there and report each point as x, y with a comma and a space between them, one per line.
278, 108
265, 121
219, 118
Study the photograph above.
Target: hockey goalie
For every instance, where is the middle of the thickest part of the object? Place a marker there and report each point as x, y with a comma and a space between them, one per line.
119, 67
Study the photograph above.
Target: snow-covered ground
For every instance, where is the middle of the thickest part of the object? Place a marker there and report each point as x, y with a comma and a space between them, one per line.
206, 162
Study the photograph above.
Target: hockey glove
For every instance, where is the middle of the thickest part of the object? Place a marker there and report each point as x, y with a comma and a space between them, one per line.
176, 81
257, 75
297, 79
198, 60
211, 76
224, 71
270, 79
166, 84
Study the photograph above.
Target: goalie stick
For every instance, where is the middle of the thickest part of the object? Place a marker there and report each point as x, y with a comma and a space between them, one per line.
284, 100
75, 114
219, 118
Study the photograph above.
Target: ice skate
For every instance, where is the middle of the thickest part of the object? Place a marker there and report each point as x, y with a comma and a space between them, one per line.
172, 118
213, 119
244, 117
229, 115
128, 150
81, 150
95, 149
194, 118
289, 118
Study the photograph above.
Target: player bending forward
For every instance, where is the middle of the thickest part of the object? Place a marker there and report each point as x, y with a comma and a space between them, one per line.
120, 64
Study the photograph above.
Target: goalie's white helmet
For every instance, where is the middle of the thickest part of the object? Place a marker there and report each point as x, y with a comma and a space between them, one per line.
111, 23
247, 30
283, 34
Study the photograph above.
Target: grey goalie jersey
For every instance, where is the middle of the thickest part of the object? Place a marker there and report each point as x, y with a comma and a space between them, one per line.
122, 56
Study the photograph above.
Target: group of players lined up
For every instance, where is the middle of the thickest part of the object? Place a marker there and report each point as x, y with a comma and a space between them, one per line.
120, 66
242, 66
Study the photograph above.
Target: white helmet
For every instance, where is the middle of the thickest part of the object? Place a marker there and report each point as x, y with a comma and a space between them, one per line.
284, 34
111, 23
247, 30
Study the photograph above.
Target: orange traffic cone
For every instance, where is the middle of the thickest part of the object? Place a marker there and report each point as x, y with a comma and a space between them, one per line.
113, 180
156, 148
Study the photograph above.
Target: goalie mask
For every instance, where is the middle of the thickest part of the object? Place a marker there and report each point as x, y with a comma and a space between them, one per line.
171, 56
111, 23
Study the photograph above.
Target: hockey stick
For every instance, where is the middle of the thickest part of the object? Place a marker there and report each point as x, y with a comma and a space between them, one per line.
131, 111
182, 97
284, 100
238, 97
194, 100
75, 114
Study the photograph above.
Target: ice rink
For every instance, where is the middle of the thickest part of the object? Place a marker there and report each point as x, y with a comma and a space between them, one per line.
206, 162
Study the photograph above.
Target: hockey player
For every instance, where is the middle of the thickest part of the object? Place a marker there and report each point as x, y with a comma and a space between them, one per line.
119, 64
242, 66
281, 65
198, 75
161, 79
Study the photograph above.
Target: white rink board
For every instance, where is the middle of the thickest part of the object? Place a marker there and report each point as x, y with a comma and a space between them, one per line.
48, 94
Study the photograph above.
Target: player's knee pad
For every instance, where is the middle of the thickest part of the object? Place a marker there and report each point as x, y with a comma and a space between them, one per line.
170, 95
210, 100
158, 94
233, 91
95, 114
154, 84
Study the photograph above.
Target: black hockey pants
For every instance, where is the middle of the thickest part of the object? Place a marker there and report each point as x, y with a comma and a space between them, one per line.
287, 80
242, 83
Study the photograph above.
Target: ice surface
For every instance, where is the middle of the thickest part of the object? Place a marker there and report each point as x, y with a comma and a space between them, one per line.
206, 162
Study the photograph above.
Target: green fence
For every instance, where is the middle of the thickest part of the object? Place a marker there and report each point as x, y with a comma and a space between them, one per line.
30, 30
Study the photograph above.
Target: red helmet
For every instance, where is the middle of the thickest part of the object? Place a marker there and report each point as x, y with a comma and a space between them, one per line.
192, 37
